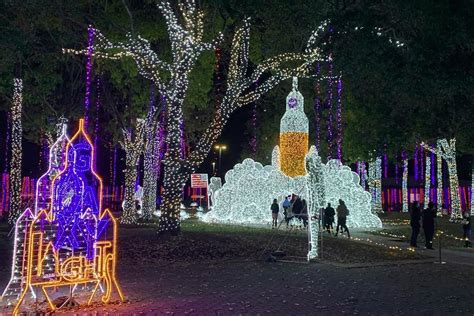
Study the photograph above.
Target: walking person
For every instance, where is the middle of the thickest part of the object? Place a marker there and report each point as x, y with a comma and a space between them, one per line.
275, 210
427, 217
304, 213
415, 215
286, 207
342, 213
466, 227
329, 214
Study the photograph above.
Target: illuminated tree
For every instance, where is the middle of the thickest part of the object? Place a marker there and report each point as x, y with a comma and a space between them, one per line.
133, 146
171, 80
447, 151
150, 175
15, 162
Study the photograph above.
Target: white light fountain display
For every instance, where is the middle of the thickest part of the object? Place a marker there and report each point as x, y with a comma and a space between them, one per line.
250, 187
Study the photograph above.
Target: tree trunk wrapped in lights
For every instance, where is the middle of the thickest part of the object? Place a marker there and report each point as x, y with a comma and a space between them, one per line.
133, 146
150, 174
15, 161
447, 151
186, 37
375, 183
427, 180
405, 183
472, 189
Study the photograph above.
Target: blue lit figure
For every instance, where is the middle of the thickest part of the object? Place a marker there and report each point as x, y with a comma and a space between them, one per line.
77, 197
56, 165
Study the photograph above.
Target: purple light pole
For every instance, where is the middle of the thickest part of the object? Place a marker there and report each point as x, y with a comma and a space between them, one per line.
90, 50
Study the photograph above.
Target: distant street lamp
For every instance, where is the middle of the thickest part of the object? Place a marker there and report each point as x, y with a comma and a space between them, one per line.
220, 148
213, 168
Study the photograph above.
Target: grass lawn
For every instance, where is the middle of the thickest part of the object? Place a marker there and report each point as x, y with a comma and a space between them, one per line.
212, 242
398, 224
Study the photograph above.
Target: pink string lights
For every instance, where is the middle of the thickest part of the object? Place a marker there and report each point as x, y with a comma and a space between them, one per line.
317, 109
339, 118
330, 136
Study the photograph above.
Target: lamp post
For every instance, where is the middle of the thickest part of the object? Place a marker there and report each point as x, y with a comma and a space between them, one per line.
213, 168
220, 148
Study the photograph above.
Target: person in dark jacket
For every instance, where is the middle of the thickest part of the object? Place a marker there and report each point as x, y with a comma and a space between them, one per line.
275, 209
466, 227
415, 215
427, 217
304, 213
342, 213
297, 207
329, 214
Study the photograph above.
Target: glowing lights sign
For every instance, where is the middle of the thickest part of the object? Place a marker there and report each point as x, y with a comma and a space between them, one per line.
74, 241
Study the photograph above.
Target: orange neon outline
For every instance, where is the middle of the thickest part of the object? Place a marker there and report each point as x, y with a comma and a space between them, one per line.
103, 267
101, 270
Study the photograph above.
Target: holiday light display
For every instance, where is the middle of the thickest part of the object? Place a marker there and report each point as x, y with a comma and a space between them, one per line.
330, 132
447, 151
439, 177
375, 183
316, 198
133, 146
73, 242
56, 165
250, 188
90, 51
405, 182
15, 160
187, 44
472, 192
294, 134
427, 181
276, 157
214, 185
339, 118
149, 161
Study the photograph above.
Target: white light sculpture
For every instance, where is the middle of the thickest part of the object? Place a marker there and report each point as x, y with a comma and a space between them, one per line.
316, 198
276, 157
56, 165
250, 188
214, 185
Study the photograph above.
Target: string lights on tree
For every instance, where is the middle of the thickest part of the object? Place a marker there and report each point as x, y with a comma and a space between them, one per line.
405, 182
447, 151
375, 183
187, 44
427, 180
16, 152
133, 146
439, 176
149, 161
